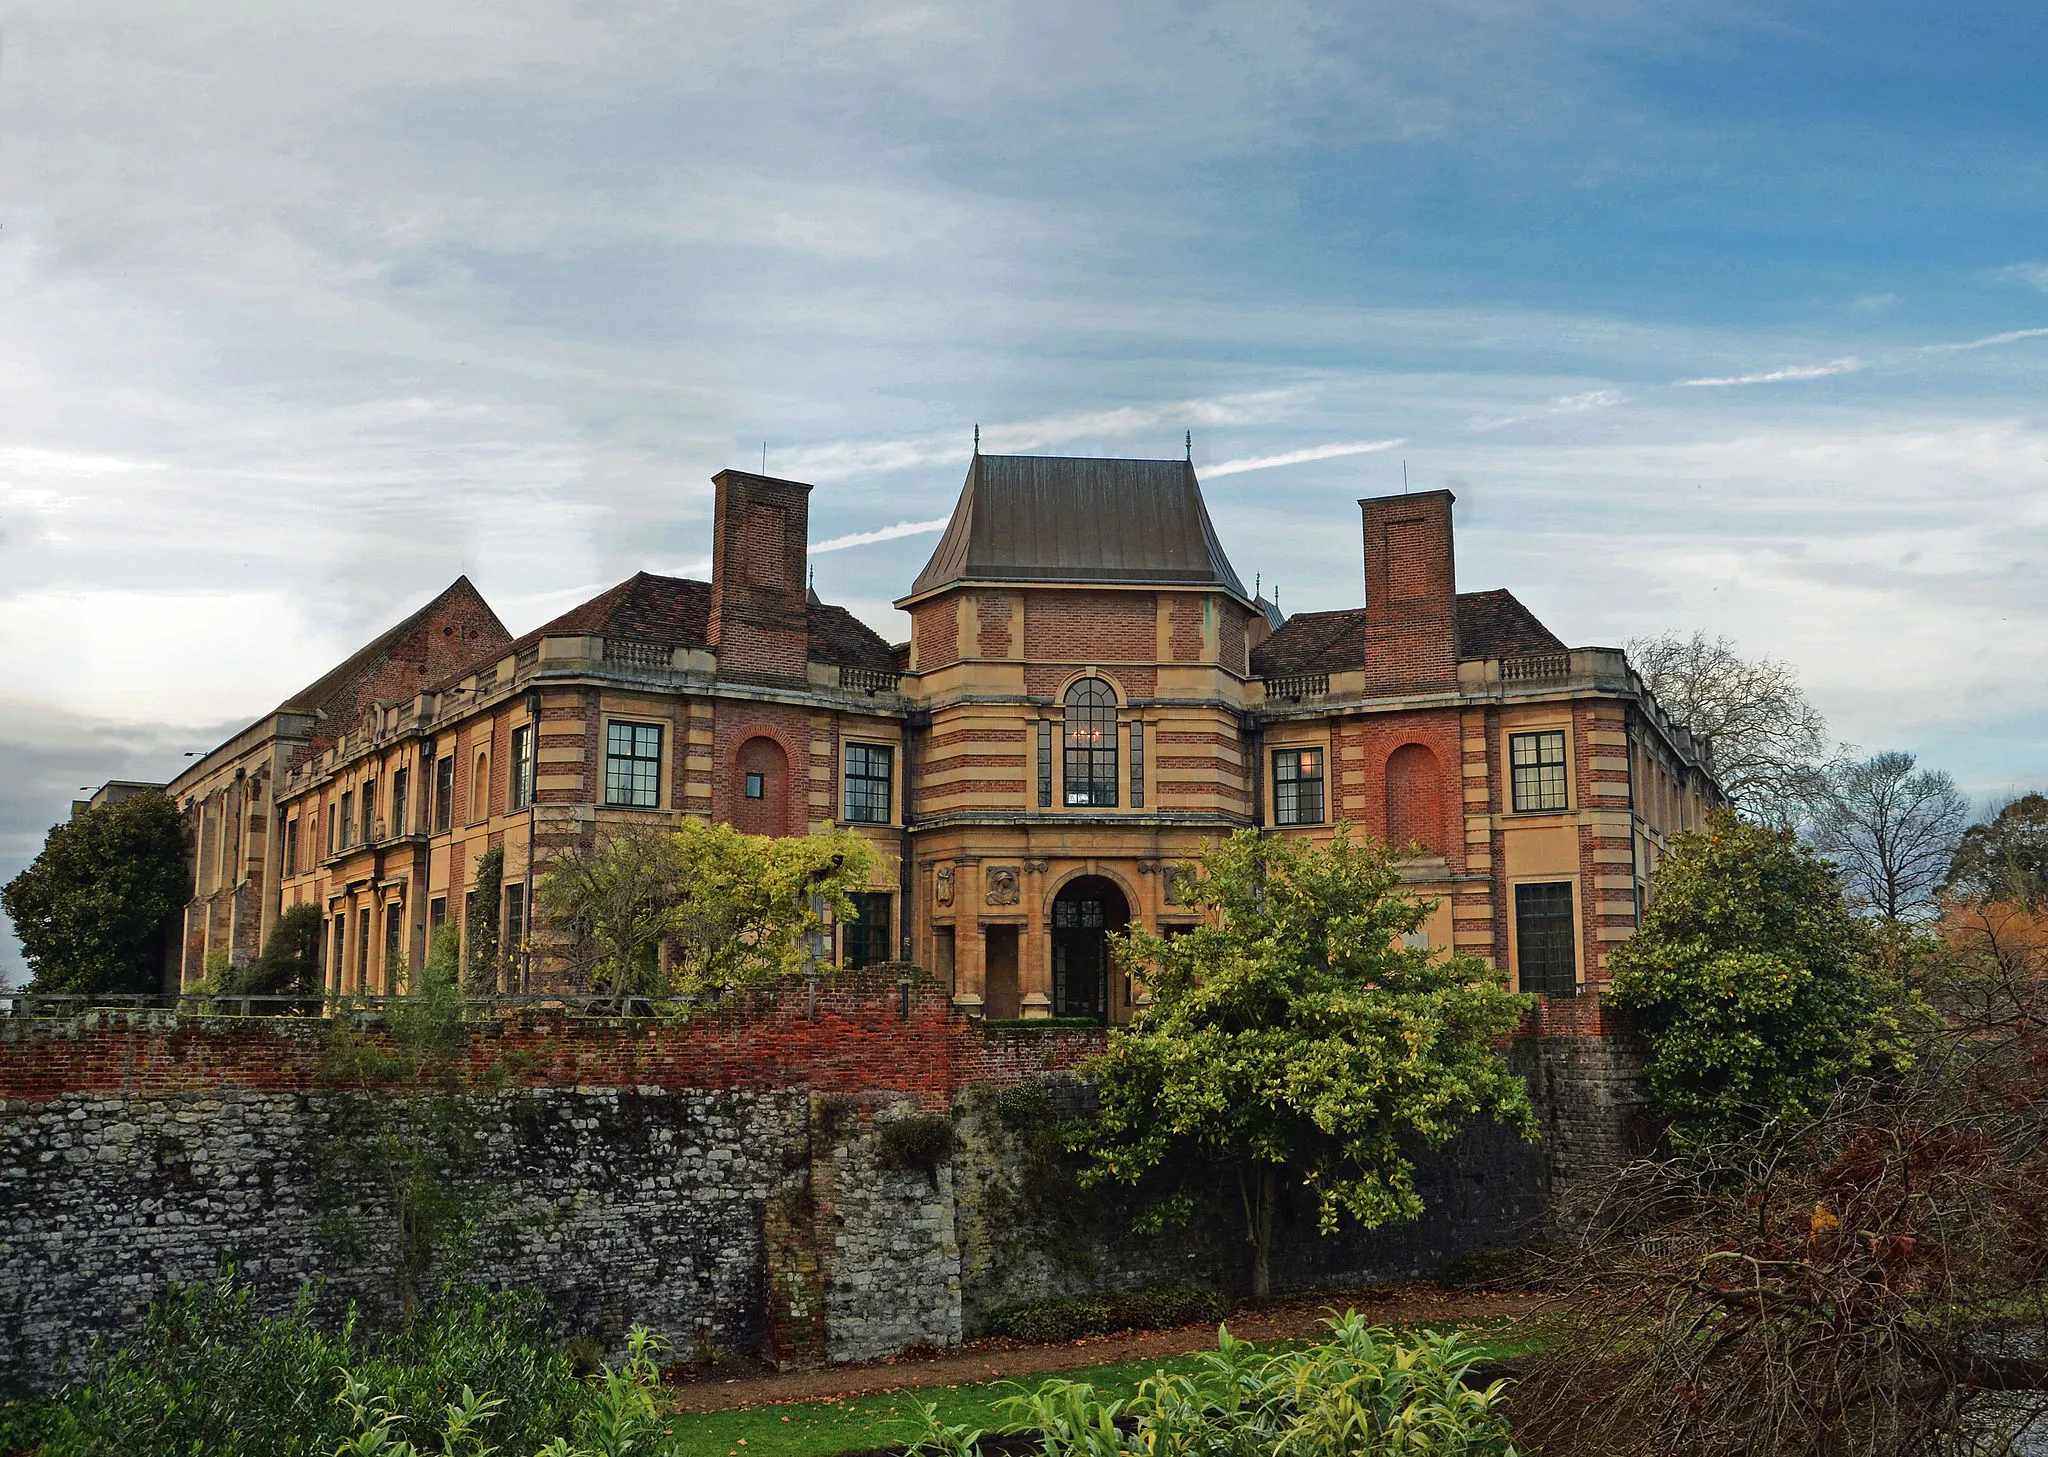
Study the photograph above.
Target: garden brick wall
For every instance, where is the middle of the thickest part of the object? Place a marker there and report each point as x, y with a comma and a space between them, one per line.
723, 1180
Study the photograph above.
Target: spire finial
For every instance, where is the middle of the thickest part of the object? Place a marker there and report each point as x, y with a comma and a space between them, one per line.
977, 437
1257, 577
1191, 447
813, 582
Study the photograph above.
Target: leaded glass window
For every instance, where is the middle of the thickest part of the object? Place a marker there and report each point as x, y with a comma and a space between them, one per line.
632, 765
868, 770
1091, 743
1298, 786
1536, 762
1546, 955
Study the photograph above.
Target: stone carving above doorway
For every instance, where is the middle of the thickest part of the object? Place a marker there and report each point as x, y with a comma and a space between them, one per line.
1002, 885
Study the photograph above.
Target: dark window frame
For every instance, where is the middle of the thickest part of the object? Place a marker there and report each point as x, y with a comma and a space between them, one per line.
520, 789
369, 798
754, 785
444, 793
1137, 763
401, 786
1089, 738
348, 816
626, 779
1546, 938
291, 846
865, 940
1299, 798
869, 793
1546, 779
1045, 763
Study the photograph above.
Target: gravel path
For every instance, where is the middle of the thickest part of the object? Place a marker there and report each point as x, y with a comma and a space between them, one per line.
996, 1359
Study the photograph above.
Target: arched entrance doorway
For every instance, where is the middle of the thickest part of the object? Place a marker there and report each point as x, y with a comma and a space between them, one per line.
1084, 914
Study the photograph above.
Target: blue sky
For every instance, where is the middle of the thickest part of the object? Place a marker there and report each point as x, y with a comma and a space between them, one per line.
1714, 318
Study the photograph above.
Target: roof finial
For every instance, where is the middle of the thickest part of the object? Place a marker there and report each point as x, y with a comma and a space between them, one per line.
977, 437
1257, 577
813, 583
1191, 447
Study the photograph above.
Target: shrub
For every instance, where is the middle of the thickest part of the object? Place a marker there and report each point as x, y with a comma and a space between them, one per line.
1042, 1321
1510, 1269
1359, 1393
916, 1141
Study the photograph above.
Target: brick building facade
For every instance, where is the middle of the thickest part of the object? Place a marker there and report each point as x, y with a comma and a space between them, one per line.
1088, 697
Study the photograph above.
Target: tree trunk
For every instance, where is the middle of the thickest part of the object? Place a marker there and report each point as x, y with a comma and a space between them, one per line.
1260, 1210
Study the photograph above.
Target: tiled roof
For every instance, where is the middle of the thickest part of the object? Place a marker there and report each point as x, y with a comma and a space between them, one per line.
1490, 625
676, 612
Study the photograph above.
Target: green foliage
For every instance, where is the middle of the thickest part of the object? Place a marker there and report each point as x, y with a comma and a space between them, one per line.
1359, 1393
2006, 859
208, 1375
481, 975
916, 1141
735, 910
94, 909
290, 963
1155, 1308
1752, 980
1509, 1269
1299, 1037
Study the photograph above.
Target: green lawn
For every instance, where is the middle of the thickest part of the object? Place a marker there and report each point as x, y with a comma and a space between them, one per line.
826, 1428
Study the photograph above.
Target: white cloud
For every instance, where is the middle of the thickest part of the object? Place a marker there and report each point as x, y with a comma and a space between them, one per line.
886, 533
1298, 457
1846, 365
2010, 336
2034, 275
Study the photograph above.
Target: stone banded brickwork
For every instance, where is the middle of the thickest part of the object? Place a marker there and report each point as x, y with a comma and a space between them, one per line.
725, 1181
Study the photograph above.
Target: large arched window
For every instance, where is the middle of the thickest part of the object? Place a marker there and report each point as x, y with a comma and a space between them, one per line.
1091, 743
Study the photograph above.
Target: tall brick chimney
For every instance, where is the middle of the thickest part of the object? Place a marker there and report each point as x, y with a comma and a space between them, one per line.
1411, 593
760, 532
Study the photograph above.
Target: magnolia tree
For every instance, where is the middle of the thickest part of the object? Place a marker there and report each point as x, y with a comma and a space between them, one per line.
1299, 1039
732, 910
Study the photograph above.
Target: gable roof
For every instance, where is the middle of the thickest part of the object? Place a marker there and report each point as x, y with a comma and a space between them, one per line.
1051, 518
1490, 625
676, 612
334, 692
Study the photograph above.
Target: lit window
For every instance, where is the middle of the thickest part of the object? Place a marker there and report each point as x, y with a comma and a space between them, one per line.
632, 765
1546, 957
1091, 743
1536, 763
1298, 787
867, 782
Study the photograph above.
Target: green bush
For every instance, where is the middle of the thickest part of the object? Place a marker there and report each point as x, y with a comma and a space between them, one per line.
1360, 1393
1510, 1269
208, 1375
918, 1141
1156, 1307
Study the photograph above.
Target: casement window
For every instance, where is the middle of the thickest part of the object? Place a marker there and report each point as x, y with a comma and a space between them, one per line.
868, 770
1137, 764
348, 816
437, 913
865, 939
756, 786
632, 765
401, 783
394, 945
1297, 786
291, 847
340, 960
1045, 763
1091, 744
363, 949
369, 810
444, 792
1546, 950
522, 767
1536, 771
515, 918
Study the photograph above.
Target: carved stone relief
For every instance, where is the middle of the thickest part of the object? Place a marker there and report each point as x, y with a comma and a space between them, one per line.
1002, 885
943, 879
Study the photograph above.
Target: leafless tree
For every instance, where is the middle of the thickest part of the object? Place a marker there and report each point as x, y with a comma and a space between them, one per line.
1891, 829
1874, 1282
1765, 740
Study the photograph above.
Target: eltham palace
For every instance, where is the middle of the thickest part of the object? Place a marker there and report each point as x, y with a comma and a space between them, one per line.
1088, 697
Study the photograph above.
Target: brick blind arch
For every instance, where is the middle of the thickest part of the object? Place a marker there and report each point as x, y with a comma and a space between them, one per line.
1415, 799
768, 815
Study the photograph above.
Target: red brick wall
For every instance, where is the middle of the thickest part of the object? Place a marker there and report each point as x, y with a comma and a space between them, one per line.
1090, 627
1411, 630
1231, 650
758, 622
855, 1036
992, 620
1184, 623
1378, 738
1049, 680
735, 723
1415, 799
935, 629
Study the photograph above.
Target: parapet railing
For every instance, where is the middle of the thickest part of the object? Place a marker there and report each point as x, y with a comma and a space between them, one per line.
1297, 686
869, 680
1536, 668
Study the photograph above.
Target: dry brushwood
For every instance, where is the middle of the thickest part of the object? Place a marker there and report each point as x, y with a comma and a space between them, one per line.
1873, 1282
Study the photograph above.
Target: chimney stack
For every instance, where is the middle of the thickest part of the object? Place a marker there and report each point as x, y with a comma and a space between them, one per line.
759, 626
1411, 593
